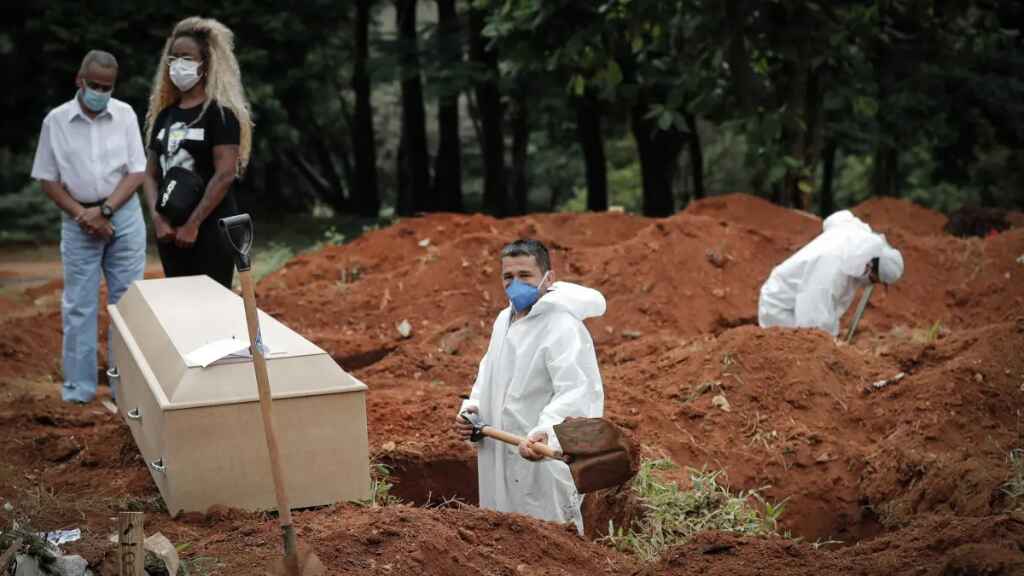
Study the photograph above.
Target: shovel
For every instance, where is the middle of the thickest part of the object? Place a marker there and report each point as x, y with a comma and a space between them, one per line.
598, 454
238, 233
860, 311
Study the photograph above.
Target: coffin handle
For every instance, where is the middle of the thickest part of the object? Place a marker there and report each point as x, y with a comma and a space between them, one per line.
158, 465
135, 414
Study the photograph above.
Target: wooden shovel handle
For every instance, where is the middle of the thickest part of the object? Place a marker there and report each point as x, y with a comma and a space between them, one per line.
263, 385
514, 440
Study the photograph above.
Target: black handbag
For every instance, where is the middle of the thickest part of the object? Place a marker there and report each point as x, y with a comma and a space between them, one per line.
180, 190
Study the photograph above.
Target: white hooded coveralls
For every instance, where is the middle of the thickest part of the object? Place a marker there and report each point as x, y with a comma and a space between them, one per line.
814, 287
537, 371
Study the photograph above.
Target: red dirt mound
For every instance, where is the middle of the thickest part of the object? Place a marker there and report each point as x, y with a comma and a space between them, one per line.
756, 213
80, 466
991, 546
685, 372
31, 344
885, 214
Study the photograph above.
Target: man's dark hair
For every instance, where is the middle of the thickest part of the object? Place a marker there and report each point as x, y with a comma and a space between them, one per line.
529, 247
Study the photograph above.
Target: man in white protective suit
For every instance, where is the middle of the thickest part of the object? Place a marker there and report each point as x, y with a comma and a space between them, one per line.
815, 286
539, 369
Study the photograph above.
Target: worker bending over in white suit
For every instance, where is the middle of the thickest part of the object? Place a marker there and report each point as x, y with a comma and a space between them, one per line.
539, 369
815, 286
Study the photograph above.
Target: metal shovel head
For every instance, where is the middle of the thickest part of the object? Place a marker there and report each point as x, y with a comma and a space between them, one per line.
308, 564
600, 455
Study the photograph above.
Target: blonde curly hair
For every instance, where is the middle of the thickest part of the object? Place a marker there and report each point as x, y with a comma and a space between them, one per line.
222, 76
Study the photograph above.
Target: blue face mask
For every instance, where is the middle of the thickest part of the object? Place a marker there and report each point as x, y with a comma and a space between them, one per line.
94, 100
523, 295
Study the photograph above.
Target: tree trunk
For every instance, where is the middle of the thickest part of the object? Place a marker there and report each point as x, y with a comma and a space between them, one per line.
491, 116
794, 132
520, 147
741, 72
403, 190
696, 156
414, 117
814, 119
365, 192
591, 139
317, 182
342, 201
658, 151
826, 199
448, 164
885, 178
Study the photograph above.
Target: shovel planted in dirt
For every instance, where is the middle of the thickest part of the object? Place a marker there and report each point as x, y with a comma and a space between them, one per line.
865, 296
598, 454
238, 233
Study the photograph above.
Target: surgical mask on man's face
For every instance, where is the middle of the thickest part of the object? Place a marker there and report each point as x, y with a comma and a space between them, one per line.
523, 295
184, 74
95, 100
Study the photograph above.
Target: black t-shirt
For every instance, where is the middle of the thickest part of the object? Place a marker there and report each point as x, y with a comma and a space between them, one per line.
191, 143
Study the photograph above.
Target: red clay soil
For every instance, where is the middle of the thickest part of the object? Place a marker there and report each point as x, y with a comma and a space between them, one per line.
910, 475
885, 214
992, 546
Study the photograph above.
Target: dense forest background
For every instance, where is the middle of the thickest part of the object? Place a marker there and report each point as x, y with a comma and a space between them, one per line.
380, 108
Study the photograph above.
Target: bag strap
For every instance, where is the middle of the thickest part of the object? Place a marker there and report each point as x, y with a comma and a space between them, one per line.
167, 130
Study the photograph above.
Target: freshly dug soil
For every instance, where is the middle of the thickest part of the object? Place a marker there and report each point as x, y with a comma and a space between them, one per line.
909, 476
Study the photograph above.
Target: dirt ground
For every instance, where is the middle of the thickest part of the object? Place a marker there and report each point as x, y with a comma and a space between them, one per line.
907, 479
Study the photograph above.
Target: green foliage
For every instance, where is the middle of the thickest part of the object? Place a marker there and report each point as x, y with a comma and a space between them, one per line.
271, 258
942, 83
1014, 486
190, 565
29, 216
624, 180
673, 516
31, 544
380, 487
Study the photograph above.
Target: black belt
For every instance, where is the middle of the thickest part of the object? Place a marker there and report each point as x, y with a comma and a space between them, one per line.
92, 204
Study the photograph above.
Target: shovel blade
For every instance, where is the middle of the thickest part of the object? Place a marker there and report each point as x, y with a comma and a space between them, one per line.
308, 565
600, 455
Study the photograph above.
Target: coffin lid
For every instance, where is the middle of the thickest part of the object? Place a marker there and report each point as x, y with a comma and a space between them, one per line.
162, 320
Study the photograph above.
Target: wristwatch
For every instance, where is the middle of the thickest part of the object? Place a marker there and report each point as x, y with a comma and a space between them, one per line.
106, 210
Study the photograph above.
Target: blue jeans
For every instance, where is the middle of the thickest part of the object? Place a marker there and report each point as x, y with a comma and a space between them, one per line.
123, 261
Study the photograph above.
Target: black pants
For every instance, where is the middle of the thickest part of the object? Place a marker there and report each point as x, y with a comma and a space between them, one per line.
210, 255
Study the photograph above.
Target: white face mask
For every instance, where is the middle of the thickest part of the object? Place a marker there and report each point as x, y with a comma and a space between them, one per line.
185, 74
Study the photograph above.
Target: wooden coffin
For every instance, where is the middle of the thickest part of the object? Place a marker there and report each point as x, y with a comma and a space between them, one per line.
199, 429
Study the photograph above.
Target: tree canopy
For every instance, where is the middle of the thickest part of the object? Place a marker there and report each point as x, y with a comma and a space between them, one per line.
508, 106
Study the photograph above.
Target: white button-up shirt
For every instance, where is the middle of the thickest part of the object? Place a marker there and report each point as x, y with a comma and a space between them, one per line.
89, 156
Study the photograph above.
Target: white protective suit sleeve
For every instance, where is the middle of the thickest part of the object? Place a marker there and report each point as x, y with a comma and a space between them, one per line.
572, 365
474, 394
816, 300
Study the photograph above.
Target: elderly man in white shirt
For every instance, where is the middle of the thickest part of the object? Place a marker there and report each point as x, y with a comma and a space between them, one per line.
90, 162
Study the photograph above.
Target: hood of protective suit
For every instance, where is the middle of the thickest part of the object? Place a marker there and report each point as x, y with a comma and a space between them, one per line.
890, 265
580, 301
844, 218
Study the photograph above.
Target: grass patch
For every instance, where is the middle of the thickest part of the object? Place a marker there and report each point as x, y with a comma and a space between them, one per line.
272, 257
31, 544
673, 516
277, 246
380, 487
1014, 487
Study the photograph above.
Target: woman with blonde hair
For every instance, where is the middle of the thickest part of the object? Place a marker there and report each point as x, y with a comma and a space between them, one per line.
199, 135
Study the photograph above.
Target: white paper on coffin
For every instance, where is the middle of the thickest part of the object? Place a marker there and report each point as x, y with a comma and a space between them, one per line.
227, 350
